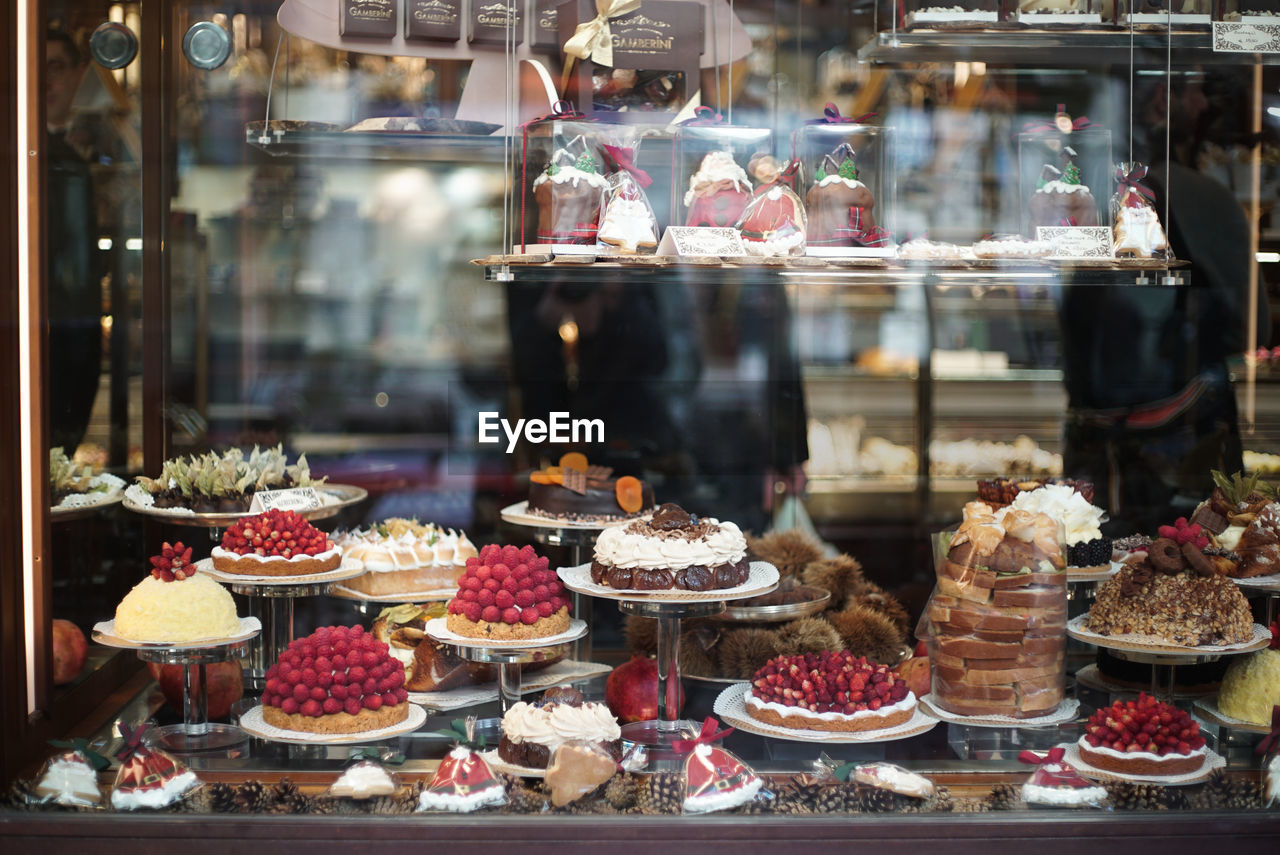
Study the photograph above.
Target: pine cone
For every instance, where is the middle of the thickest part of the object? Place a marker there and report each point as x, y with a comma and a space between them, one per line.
386, 805
877, 800
324, 806
791, 808
1221, 792
19, 795
1003, 797
835, 798
522, 799
621, 791
662, 793
802, 790
287, 798
757, 806
940, 802
252, 797
1125, 795
221, 798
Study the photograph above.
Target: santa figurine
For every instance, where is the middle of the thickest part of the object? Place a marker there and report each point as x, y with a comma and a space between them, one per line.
717, 193
773, 223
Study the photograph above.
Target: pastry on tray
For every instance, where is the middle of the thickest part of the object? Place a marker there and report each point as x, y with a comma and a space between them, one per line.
402, 556
221, 483
176, 604
275, 543
673, 549
532, 732
337, 680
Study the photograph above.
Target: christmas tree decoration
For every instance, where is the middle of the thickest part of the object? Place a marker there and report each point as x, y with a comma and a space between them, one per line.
714, 778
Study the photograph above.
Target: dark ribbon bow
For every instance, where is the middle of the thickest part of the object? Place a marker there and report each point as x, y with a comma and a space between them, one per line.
1055, 755
1049, 127
706, 736
704, 115
562, 109
1132, 179
831, 116
464, 732
1272, 739
369, 752
132, 741
624, 158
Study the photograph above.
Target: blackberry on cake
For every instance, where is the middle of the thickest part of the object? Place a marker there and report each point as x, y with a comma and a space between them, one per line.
339, 679
275, 543
672, 549
508, 594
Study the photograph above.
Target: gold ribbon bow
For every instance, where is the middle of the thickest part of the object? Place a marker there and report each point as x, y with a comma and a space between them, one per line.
592, 39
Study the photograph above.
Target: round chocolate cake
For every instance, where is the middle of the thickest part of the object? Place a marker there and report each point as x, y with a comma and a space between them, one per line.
673, 549
599, 501
531, 733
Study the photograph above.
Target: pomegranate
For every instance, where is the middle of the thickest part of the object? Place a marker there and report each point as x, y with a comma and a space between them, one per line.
915, 673
226, 685
631, 692
70, 649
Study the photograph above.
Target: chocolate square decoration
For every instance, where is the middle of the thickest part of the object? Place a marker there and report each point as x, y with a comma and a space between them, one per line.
374, 19
436, 20
575, 481
489, 22
599, 473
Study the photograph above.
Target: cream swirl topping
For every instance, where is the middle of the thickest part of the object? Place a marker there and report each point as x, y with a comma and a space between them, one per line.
637, 546
555, 724
1080, 519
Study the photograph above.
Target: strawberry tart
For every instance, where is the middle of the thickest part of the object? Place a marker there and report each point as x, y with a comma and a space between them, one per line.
508, 594
176, 604
339, 679
275, 543
1143, 737
833, 691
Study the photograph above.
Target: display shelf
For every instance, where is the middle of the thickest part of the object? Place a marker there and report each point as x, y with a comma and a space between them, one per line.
1051, 48
361, 146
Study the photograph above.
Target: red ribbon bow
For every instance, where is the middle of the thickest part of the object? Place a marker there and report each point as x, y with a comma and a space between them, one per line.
132, 741
624, 158
831, 116
1055, 755
1132, 179
1049, 127
704, 115
1273, 738
708, 735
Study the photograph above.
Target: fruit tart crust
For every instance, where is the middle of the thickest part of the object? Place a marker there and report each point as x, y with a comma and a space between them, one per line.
1142, 762
856, 723
339, 722
498, 631
225, 561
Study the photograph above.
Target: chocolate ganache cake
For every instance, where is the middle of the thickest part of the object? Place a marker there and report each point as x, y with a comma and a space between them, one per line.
673, 549
575, 490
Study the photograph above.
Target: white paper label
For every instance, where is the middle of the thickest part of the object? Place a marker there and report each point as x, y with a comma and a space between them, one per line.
1074, 242
1233, 37
296, 499
701, 240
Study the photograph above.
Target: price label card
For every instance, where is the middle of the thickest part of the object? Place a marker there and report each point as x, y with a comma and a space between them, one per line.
1076, 242
296, 499
1237, 37
701, 240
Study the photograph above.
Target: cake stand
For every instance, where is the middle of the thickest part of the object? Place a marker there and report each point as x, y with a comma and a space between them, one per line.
196, 734
273, 598
1157, 653
668, 608
509, 656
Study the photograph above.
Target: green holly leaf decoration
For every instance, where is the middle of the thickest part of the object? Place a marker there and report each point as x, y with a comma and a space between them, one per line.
553, 169
586, 163
819, 174
848, 170
843, 771
464, 732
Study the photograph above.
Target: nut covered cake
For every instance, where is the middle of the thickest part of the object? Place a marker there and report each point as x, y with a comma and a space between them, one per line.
833, 691
339, 679
672, 549
508, 594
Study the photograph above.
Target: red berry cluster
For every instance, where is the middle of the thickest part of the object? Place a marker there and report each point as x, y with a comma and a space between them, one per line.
828, 682
173, 563
1183, 532
1143, 725
335, 669
282, 533
509, 585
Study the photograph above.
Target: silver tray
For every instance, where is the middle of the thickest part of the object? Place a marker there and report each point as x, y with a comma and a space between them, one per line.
343, 495
741, 612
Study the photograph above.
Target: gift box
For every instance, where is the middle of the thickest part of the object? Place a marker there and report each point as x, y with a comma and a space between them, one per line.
545, 26
370, 19
710, 184
846, 169
433, 20
489, 22
629, 62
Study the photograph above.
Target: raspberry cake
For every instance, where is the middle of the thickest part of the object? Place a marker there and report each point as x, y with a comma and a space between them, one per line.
176, 604
275, 543
1143, 737
833, 691
673, 549
531, 733
508, 594
339, 679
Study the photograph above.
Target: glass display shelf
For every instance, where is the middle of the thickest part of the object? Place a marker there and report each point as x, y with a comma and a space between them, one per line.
1052, 48
378, 145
